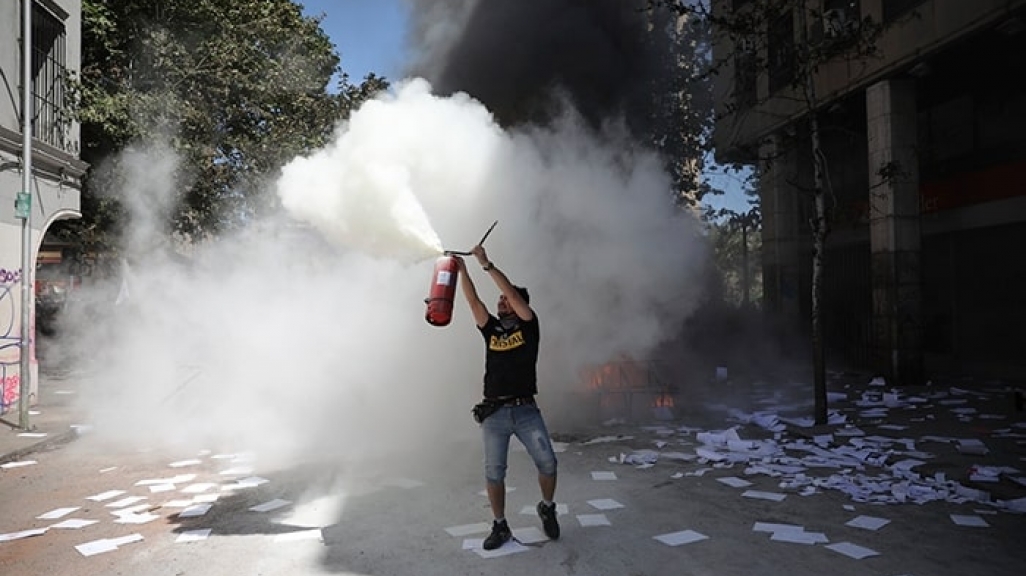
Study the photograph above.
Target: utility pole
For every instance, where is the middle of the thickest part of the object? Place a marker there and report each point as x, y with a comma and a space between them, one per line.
24, 211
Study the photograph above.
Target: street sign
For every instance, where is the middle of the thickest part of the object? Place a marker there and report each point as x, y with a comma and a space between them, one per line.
23, 205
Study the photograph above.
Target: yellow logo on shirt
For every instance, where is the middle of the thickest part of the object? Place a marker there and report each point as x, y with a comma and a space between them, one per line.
507, 342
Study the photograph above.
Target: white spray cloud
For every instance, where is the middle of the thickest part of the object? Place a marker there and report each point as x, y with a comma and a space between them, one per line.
585, 222
267, 343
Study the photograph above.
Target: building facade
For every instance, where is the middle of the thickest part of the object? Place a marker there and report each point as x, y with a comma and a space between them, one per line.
56, 170
922, 122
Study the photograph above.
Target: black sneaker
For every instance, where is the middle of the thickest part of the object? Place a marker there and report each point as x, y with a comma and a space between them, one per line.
499, 536
548, 518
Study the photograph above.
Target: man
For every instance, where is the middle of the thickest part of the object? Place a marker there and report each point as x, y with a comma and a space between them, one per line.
510, 382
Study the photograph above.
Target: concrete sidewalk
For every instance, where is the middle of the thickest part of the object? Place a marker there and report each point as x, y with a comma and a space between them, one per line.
53, 421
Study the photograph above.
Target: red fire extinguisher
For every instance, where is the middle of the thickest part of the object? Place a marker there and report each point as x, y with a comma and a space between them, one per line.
443, 291
443, 285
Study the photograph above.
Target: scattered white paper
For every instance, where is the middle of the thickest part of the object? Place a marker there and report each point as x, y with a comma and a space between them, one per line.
678, 538
510, 547
131, 510
106, 544
156, 488
57, 513
198, 487
74, 523
605, 504
799, 537
468, 529
593, 520
760, 495
194, 510
105, 495
193, 535
314, 534
10, 465
603, 476
602, 439
126, 501
237, 471
852, 550
972, 446
868, 522
184, 463
770, 527
32, 434
96, 547
250, 482
529, 535
969, 520
136, 518
22, 534
180, 479
734, 482
271, 505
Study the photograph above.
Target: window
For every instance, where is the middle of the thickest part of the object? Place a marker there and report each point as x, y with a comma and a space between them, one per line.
745, 74
49, 50
840, 17
781, 51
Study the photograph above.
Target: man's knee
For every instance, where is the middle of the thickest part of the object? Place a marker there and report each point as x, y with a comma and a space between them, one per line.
495, 474
547, 466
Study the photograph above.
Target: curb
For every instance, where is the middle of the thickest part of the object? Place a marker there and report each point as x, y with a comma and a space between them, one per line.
45, 444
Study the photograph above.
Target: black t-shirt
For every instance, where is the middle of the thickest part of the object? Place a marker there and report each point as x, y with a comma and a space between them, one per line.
511, 356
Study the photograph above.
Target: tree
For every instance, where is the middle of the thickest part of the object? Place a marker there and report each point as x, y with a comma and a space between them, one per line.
680, 122
235, 87
766, 37
735, 238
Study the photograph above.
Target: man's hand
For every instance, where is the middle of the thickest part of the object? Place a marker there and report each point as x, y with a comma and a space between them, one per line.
479, 253
460, 264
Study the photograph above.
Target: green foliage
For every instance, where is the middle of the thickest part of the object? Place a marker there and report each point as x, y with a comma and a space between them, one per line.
236, 88
681, 125
736, 240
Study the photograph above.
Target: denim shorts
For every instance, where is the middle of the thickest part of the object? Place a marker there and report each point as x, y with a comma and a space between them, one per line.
527, 424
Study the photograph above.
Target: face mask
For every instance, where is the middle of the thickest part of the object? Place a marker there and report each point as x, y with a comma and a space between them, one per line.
509, 321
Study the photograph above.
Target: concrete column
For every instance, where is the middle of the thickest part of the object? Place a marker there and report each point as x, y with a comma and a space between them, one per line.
780, 233
894, 231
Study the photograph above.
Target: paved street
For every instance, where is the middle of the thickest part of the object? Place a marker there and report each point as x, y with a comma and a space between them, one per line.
708, 492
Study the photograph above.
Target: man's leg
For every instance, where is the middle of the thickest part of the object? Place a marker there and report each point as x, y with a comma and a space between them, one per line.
547, 483
497, 498
534, 435
496, 430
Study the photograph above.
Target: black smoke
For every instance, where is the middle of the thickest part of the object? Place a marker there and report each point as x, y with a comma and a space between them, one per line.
523, 59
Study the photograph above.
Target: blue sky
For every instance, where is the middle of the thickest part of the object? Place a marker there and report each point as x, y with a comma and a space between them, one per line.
368, 34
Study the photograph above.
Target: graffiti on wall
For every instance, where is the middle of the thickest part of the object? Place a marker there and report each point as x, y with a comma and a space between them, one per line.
10, 340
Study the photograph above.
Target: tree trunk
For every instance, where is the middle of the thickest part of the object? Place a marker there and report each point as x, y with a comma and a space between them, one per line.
744, 265
819, 233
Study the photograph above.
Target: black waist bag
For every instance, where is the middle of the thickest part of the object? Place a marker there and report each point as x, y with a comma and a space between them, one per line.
483, 410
